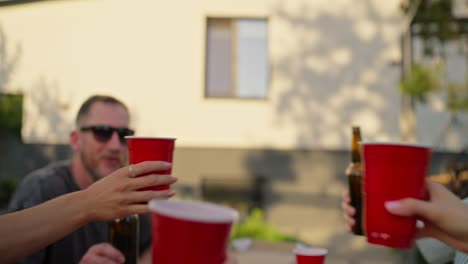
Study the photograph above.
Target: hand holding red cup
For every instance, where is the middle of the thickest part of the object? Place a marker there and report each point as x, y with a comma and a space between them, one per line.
151, 148
392, 171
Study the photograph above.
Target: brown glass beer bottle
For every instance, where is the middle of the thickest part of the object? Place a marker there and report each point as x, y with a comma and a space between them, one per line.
124, 236
354, 175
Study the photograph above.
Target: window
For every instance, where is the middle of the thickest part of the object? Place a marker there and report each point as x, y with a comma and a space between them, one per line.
237, 58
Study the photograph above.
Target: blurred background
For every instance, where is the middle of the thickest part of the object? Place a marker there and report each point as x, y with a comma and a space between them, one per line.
260, 94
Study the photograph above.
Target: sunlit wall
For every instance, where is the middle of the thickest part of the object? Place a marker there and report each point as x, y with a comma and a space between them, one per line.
332, 64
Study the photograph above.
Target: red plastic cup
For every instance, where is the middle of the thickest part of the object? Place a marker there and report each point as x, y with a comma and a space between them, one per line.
151, 148
307, 255
392, 171
190, 232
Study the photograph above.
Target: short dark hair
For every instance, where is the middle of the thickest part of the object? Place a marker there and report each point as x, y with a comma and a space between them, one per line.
86, 106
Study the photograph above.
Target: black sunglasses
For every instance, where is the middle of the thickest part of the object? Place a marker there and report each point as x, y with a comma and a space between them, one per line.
104, 133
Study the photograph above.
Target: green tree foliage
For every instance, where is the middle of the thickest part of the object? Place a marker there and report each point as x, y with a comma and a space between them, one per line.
434, 22
457, 97
419, 82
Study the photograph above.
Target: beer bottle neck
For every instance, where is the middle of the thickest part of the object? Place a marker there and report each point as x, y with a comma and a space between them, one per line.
355, 153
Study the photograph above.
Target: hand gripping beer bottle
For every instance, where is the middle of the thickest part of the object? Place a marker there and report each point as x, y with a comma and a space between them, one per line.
124, 236
354, 175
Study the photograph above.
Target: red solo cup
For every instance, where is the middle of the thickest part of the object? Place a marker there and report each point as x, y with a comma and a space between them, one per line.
190, 232
308, 255
392, 171
151, 148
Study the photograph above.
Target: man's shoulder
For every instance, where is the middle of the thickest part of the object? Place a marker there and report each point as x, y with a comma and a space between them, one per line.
56, 171
41, 185
50, 172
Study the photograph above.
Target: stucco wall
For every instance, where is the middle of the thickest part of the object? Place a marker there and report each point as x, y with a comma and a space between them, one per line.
332, 65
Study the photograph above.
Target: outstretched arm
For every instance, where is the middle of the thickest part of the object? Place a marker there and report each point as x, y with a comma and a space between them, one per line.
116, 195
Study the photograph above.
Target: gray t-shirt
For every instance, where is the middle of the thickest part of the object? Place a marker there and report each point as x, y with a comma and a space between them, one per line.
50, 182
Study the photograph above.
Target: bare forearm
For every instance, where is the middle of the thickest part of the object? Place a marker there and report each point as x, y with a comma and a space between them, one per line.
114, 196
27, 231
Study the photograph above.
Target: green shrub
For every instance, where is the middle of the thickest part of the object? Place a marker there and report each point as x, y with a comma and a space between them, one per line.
11, 112
254, 226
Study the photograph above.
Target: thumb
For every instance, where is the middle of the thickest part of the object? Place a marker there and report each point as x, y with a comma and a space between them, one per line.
409, 207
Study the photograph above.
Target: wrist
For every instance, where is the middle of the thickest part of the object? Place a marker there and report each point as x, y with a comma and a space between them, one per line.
81, 207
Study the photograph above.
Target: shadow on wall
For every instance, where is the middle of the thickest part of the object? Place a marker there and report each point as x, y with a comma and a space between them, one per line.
8, 61
46, 110
267, 167
20, 158
331, 78
276, 165
338, 75
312, 173
45, 107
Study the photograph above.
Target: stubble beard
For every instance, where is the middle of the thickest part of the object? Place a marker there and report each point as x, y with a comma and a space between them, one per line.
92, 171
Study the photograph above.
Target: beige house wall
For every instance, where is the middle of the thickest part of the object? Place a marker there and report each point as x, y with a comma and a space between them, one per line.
332, 65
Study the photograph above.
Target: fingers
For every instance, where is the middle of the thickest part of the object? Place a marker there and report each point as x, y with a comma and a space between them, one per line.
145, 196
143, 168
151, 180
131, 171
137, 209
349, 222
98, 260
137, 201
432, 185
103, 253
348, 212
348, 209
439, 191
433, 210
411, 207
415, 207
149, 166
346, 197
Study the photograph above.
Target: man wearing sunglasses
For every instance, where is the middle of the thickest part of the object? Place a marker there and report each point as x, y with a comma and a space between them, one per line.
99, 149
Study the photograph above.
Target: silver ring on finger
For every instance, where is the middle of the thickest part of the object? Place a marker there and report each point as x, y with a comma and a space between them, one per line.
131, 171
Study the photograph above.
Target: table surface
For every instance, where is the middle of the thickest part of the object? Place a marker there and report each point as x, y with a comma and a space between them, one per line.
267, 252
282, 253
